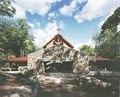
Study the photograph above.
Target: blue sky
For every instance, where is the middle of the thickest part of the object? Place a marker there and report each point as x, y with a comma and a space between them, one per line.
78, 20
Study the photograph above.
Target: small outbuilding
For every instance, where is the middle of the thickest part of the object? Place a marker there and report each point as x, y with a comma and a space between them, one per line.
100, 63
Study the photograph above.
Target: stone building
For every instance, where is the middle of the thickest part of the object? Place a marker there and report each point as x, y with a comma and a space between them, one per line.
57, 55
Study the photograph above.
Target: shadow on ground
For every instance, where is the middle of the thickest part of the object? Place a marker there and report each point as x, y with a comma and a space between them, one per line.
53, 85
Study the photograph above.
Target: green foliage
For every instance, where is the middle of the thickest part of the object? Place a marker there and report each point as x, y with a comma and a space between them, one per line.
108, 41
5, 33
15, 39
6, 8
112, 21
108, 44
86, 50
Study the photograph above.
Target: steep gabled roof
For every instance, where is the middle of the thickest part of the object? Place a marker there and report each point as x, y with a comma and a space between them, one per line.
56, 36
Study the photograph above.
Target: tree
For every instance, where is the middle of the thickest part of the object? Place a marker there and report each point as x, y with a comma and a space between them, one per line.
112, 21
108, 40
20, 36
6, 9
15, 39
5, 34
86, 50
108, 44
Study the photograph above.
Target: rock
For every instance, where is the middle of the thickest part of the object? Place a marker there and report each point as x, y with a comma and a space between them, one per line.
15, 95
104, 84
25, 89
50, 80
5, 96
97, 82
89, 82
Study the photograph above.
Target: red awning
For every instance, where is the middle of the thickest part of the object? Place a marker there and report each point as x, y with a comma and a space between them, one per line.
98, 58
18, 59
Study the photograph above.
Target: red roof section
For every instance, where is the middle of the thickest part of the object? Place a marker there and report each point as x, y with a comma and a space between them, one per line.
18, 59
98, 58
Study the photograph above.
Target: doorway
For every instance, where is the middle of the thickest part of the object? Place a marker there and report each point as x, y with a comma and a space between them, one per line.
58, 67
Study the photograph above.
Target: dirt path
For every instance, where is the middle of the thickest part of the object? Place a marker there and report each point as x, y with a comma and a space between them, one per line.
52, 85
60, 85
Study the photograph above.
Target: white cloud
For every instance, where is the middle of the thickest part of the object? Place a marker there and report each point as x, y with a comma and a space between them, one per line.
100, 24
103, 20
31, 25
68, 10
78, 45
89, 42
61, 25
97, 8
20, 13
118, 28
52, 15
41, 7
44, 35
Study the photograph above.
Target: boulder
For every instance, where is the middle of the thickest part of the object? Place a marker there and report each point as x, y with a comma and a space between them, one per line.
5, 96
90, 82
15, 95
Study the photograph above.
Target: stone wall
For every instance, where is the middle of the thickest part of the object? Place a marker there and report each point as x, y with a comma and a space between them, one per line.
57, 53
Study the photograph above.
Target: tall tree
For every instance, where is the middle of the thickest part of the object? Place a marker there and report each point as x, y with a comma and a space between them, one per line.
112, 21
5, 35
6, 9
21, 36
108, 40
15, 39
14, 36
86, 50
